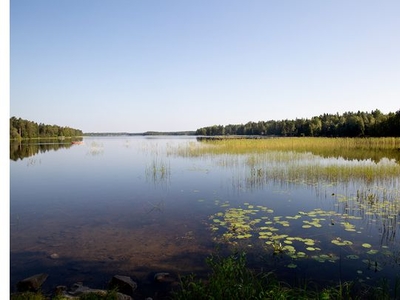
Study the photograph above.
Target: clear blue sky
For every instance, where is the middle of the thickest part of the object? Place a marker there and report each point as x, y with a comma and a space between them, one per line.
180, 65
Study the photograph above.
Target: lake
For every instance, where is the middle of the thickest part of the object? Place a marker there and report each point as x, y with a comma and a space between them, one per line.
138, 205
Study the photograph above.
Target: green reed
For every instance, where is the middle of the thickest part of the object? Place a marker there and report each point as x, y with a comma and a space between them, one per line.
158, 170
349, 148
231, 278
232, 145
310, 159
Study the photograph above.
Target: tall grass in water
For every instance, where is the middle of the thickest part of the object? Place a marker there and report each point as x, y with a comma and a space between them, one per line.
299, 144
158, 170
310, 159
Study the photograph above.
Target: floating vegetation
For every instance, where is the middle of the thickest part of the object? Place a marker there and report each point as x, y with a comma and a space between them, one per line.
325, 258
257, 223
340, 242
236, 222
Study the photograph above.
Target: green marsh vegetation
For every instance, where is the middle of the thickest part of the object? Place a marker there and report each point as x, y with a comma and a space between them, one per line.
231, 278
326, 147
307, 159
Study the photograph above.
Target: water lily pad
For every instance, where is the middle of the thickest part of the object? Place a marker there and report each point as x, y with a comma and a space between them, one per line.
241, 236
301, 254
340, 242
352, 256
292, 266
318, 258
366, 245
289, 248
372, 252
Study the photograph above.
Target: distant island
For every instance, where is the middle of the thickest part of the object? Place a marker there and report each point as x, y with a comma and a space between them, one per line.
349, 124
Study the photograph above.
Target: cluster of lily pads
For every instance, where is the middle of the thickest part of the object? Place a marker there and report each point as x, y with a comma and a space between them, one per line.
256, 224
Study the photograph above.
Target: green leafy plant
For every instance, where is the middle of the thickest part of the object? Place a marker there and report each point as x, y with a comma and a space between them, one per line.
230, 278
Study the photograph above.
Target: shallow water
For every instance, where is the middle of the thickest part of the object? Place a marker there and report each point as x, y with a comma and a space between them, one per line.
133, 205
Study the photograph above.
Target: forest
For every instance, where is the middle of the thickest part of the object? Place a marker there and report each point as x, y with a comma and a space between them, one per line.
24, 129
349, 124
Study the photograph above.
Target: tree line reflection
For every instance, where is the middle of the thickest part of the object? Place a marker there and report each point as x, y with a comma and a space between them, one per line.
24, 149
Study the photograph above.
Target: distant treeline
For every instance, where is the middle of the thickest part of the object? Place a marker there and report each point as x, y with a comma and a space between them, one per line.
169, 133
24, 129
142, 134
359, 124
109, 134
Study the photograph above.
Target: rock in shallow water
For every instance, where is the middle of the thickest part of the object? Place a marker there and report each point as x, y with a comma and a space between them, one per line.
32, 284
54, 256
124, 284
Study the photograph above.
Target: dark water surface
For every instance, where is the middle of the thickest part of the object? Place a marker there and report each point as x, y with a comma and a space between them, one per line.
132, 206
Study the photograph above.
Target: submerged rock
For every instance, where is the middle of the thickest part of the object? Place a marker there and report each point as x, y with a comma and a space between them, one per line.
54, 256
123, 284
78, 289
32, 284
164, 277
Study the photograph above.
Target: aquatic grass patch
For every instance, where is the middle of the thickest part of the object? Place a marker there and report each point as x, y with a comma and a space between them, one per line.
300, 143
328, 147
158, 171
309, 168
231, 278
293, 159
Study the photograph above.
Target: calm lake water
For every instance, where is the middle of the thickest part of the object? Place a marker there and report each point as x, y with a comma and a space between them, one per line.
134, 206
